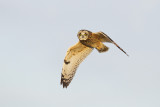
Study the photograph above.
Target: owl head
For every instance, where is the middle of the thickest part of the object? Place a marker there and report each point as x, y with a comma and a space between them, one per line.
83, 34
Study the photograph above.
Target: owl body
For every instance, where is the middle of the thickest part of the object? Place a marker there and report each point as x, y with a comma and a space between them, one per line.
77, 53
95, 41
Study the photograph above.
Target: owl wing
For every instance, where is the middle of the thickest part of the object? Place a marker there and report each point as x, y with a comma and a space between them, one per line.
75, 55
105, 38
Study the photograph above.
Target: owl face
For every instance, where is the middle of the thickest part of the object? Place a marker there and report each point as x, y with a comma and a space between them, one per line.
83, 35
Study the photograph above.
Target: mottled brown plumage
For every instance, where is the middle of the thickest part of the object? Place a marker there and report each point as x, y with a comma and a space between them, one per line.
77, 53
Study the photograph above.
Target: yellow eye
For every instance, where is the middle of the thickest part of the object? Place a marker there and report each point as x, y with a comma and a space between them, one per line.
85, 34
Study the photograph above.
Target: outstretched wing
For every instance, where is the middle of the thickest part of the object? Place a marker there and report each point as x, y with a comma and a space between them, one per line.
75, 55
105, 38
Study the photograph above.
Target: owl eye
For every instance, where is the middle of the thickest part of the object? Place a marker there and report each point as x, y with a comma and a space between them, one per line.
85, 34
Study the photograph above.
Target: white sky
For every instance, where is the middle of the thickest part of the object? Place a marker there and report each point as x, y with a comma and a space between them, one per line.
35, 35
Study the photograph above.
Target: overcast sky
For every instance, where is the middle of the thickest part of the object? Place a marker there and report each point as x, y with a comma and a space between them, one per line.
34, 38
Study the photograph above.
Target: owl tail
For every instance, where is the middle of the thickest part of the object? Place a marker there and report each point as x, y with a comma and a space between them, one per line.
102, 48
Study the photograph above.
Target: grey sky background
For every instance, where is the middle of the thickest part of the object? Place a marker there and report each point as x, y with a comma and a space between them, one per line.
34, 38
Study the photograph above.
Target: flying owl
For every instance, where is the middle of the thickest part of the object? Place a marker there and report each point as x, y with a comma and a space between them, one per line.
77, 53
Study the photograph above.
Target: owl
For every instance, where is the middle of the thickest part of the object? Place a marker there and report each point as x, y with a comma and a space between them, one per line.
78, 52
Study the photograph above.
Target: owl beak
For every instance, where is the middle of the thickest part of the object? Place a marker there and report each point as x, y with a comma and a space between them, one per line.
82, 36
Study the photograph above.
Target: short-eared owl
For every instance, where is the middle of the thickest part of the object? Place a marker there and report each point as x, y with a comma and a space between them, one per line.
77, 53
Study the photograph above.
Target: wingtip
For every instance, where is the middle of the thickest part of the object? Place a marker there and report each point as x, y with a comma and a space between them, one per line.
65, 85
126, 53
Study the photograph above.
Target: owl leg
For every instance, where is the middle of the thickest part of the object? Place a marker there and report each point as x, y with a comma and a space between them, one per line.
102, 48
